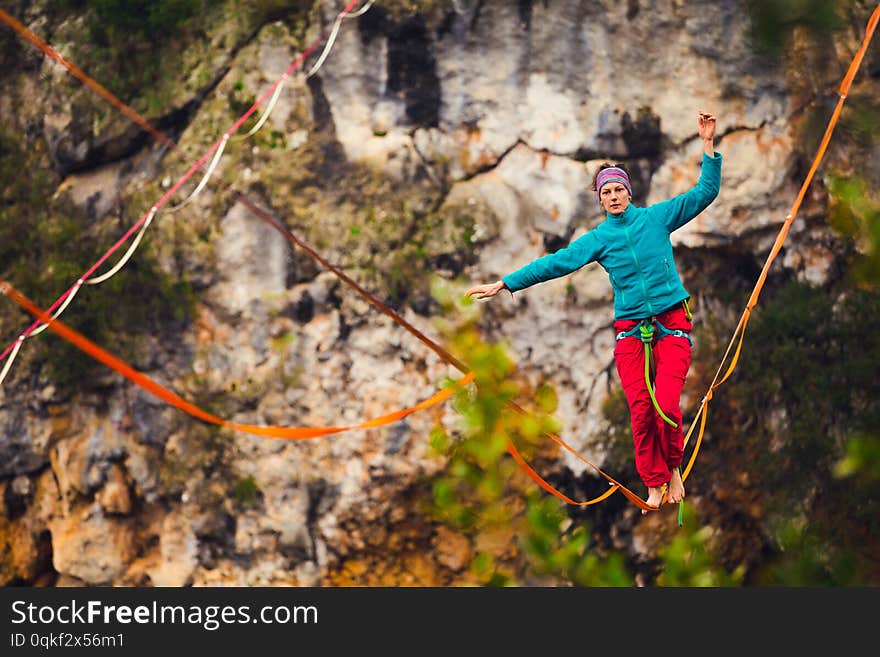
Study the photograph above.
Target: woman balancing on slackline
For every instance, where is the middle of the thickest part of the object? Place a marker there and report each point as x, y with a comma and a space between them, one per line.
650, 305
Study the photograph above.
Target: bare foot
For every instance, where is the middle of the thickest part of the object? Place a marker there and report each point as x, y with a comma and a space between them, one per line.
676, 487
655, 497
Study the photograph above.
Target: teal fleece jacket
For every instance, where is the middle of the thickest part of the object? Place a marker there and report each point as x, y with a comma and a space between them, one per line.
634, 248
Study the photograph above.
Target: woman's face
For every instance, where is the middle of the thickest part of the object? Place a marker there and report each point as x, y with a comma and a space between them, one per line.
614, 197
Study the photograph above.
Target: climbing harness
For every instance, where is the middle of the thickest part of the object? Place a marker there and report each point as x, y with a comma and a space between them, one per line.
647, 330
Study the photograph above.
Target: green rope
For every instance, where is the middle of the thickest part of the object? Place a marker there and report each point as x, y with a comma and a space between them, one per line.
680, 507
648, 356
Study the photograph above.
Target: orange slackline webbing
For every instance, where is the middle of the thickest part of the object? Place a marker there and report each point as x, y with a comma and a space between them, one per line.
287, 433
129, 112
50, 52
780, 239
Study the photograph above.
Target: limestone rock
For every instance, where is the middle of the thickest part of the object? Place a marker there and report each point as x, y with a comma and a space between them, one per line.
91, 547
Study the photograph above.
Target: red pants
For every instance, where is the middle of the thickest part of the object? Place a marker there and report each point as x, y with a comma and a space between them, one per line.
659, 447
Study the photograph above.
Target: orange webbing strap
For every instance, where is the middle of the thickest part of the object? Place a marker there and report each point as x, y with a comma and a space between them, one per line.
440, 351
145, 382
85, 79
277, 225
530, 471
780, 238
615, 485
702, 414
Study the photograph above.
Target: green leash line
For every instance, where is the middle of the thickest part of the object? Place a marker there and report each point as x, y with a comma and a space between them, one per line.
647, 336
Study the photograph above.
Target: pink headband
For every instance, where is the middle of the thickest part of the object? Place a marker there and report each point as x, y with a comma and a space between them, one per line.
613, 174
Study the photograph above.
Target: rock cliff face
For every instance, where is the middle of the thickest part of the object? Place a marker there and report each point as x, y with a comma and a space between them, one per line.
448, 139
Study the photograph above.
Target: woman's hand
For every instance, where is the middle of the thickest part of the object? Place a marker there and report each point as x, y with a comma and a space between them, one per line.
707, 126
707, 132
486, 291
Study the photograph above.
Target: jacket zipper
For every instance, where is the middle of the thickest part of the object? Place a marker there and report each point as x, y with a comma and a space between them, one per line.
638, 269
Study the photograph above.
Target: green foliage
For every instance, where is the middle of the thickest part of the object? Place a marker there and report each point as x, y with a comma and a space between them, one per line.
401, 9
476, 468
772, 21
46, 244
124, 37
556, 547
240, 101
860, 121
123, 18
861, 460
246, 491
484, 493
854, 528
816, 362
806, 390
854, 212
808, 557
399, 245
281, 343
688, 561
486, 570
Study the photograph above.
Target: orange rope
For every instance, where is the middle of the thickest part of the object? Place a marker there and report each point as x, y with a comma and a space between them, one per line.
172, 398
780, 239
85, 79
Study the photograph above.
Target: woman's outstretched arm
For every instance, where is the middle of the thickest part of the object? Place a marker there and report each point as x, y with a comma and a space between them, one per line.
677, 211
